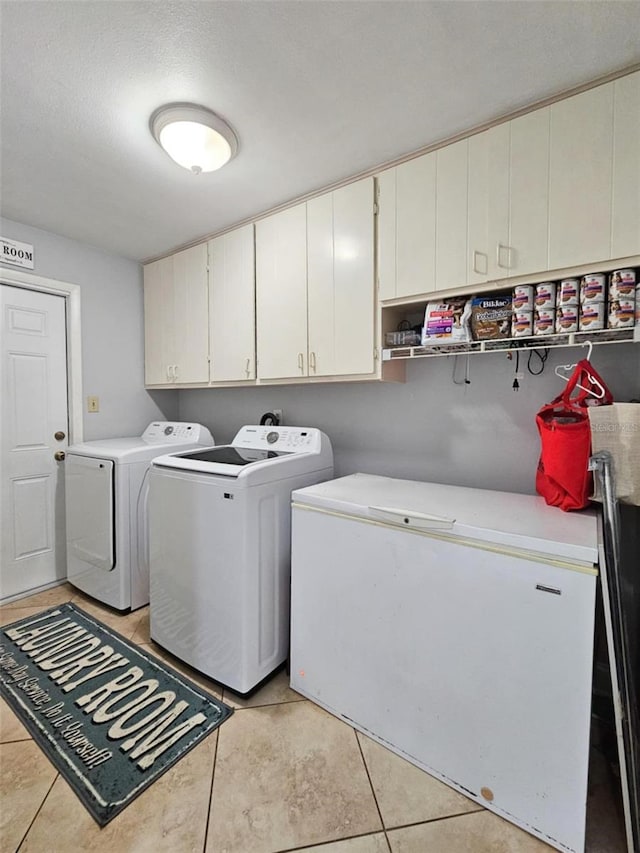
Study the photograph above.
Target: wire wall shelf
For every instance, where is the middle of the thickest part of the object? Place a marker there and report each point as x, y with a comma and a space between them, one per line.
572, 339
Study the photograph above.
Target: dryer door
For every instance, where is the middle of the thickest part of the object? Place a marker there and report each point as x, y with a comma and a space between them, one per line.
89, 504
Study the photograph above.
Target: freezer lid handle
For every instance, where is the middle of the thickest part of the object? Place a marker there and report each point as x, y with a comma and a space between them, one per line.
411, 518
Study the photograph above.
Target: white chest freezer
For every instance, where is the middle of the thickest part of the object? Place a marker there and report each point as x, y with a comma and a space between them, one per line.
455, 626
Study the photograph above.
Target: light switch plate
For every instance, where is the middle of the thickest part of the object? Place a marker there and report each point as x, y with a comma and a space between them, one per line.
93, 404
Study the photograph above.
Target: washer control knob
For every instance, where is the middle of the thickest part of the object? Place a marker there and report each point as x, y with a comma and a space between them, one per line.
168, 430
272, 437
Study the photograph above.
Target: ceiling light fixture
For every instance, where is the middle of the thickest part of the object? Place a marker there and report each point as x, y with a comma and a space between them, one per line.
193, 136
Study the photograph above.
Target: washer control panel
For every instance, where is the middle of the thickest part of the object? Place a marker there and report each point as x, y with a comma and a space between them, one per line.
287, 439
178, 431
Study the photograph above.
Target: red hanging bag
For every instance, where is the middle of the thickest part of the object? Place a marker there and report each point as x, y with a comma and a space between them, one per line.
563, 478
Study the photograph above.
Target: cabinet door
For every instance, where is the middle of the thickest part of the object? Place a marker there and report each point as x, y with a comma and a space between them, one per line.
191, 315
625, 227
340, 281
353, 320
159, 344
580, 170
529, 194
321, 285
451, 215
281, 294
407, 228
488, 208
386, 195
232, 314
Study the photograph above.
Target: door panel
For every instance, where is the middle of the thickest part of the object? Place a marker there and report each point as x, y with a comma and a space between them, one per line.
387, 228
451, 215
89, 499
353, 320
33, 380
191, 315
28, 411
155, 310
580, 173
321, 286
529, 193
625, 228
416, 226
232, 310
281, 294
33, 513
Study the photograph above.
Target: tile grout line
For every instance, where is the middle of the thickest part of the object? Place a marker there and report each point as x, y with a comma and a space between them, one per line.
38, 810
316, 844
375, 799
441, 818
16, 740
213, 773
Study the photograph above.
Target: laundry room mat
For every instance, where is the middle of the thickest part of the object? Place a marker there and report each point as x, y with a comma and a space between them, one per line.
111, 719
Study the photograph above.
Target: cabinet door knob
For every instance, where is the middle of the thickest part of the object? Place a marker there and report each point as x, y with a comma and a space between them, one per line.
477, 254
301, 361
500, 248
312, 361
59, 455
59, 436
247, 369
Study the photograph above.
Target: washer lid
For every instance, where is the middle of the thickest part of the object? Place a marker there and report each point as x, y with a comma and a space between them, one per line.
225, 459
256, 452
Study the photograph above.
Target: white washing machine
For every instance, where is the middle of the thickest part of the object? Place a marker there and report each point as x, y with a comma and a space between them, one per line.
106, 489
220, 549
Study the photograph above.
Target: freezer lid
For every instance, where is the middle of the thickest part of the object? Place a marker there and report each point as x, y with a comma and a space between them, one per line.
503, 519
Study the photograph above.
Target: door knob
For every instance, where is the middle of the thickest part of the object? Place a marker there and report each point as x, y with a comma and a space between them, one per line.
59, 455
59, 436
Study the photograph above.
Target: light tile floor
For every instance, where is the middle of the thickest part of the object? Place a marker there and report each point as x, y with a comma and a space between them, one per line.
280, 775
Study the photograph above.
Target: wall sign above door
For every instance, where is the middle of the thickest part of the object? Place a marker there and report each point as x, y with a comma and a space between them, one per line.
18, 254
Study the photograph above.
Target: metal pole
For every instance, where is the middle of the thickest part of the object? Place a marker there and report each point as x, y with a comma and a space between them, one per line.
601, 464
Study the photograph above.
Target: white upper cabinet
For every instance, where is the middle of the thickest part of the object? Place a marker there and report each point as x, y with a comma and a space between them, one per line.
232, 314
407, 228
488, 207
176, 319
529, 194
552, 190
159, 351
580, 172
191, 325
625, 225
451, 215
281, 294
315, 287
340, 247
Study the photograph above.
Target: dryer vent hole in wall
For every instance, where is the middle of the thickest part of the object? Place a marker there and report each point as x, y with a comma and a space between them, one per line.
271, 418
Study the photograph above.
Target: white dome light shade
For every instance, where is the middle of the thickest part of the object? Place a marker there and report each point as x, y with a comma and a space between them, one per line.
193, 136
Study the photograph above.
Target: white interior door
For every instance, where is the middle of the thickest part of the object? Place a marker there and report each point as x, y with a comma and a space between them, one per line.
33, 379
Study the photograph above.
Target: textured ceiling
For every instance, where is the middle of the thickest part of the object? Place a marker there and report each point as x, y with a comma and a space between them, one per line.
317, 92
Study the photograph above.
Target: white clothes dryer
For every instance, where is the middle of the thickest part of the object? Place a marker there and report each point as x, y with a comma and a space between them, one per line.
220, 549
106, 490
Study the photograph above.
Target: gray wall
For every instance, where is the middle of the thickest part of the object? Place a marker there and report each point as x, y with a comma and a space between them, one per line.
112, 330
481, 435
